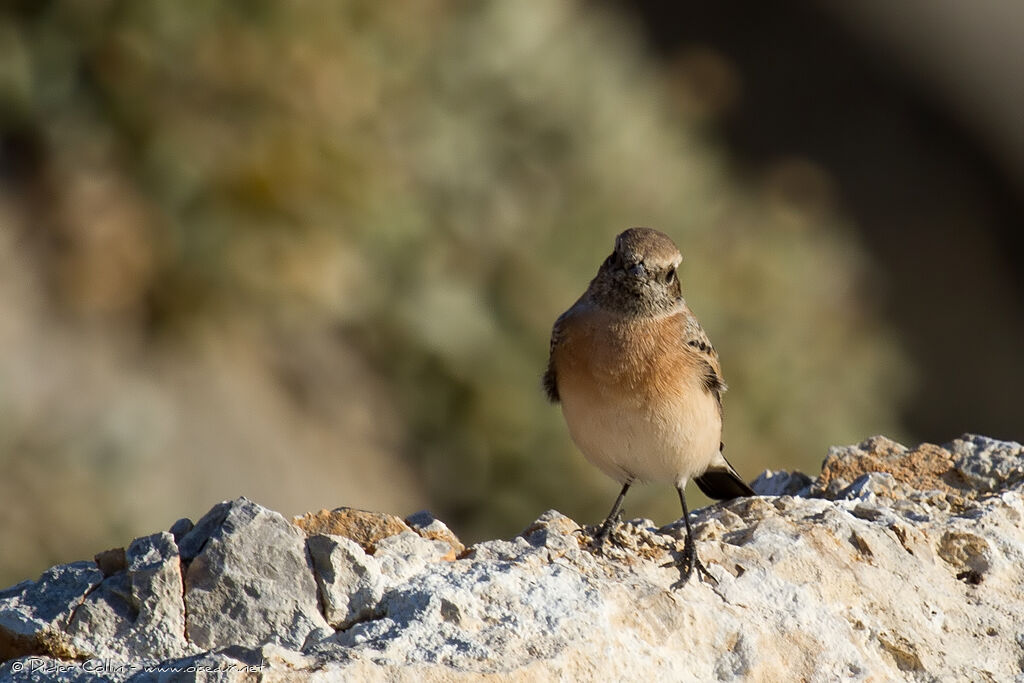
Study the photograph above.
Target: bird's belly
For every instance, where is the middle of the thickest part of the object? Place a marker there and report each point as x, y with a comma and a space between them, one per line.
670, 438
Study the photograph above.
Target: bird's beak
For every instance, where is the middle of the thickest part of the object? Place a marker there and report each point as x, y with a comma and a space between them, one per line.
638, 271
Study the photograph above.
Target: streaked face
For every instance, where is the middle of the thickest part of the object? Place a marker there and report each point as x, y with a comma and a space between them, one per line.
641, 273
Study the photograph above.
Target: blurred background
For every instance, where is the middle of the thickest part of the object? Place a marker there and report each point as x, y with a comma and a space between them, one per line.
310, 252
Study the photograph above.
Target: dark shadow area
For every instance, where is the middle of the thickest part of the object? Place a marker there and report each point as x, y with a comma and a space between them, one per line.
938, 215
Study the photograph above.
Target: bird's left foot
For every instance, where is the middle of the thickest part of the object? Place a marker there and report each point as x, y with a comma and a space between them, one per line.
603, 535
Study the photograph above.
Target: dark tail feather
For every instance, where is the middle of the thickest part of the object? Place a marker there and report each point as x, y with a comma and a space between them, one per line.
722, 483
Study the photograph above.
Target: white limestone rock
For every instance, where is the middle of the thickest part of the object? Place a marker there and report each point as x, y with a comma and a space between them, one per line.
137, 613
781, 483
905, 567
250, 581
35, 614
407, 554
350, 581
988, 464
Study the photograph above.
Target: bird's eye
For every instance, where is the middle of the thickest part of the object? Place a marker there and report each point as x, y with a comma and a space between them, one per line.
670, 277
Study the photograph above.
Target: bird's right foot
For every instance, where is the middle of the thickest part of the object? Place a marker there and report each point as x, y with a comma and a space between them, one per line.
688, 562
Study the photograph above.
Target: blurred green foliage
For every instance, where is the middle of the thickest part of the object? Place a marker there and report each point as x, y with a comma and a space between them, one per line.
422, 187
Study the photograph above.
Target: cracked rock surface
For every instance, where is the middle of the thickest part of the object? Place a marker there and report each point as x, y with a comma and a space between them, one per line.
894, 563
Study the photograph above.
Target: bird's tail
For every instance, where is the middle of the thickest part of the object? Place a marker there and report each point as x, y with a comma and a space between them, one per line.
721, 481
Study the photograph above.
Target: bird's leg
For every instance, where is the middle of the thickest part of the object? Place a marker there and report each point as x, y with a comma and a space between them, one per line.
689, 560
612, 519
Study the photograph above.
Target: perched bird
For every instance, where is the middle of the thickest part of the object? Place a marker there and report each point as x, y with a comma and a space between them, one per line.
639, 382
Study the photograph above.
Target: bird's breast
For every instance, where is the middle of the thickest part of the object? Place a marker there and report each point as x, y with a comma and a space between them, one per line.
633, 399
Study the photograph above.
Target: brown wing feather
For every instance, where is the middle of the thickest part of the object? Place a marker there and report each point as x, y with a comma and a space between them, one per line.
550, 379
697, 341
722, 483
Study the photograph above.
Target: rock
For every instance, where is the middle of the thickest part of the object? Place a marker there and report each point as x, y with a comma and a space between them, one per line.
988, 465
778, 483
111, 561
350, 581
180, 528
35, 614
408, 553
196, 538
251, 581
869, 486
154, 568
365, 528
894, 564
925, 468
138, 612
428, 526
551, 530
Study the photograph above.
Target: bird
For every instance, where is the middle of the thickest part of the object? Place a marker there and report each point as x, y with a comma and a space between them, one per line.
639, 383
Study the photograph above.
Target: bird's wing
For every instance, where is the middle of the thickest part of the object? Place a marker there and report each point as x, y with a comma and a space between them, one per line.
550, 379
698, 344
721, 480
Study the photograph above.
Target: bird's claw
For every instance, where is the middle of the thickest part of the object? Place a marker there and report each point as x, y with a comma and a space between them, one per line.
604, 534
687, 563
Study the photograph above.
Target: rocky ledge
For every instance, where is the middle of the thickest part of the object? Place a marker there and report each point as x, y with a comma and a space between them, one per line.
893, 563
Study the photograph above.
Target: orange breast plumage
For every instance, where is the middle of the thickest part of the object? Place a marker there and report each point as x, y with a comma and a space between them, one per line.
633, 397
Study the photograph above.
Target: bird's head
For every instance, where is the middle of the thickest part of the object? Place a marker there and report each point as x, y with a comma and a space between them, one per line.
640, 274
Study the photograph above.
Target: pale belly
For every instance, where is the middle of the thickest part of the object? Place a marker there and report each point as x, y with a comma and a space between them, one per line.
670, 439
